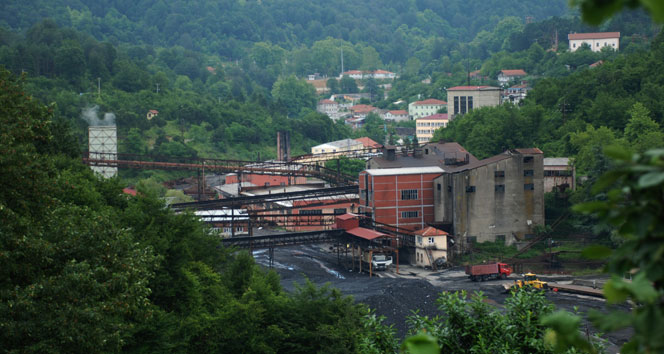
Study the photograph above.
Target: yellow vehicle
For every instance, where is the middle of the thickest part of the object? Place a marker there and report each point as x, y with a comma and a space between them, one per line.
530, 279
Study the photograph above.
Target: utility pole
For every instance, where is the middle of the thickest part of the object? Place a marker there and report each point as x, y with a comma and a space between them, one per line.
157, 87
342, 61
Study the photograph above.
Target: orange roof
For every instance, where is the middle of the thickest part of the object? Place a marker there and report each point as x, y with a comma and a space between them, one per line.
517, 72
368, 142
595, 35
399, 112
346, 216
362, 108
437, 116
474, 73
430, 101
382, 72
326, 101
430, 231
129, 191
367, 234
154, 111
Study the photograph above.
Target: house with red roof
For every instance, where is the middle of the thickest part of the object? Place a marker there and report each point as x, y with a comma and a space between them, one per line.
430, 247
425, 108
369, 143
596, 41
463, 99
152, 113
507, 76
362, 110
426, 126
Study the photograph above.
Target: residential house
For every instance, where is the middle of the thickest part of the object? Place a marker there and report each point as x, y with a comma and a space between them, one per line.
396, 116
559, 174
369, 144
462, 99
315, 76
362, 110
426, 126
596, 64
515, 94
328, 107
383, 74
425, 108
596, 41
152, 113
353, 74
430, 247
507, 76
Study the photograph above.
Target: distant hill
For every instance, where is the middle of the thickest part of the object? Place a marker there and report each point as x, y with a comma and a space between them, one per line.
226, 27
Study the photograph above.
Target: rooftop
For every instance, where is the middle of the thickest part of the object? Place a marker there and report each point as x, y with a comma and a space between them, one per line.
517, 72
594, 35
473, 88
366, 234
438, 152
340, 143
556, 161
368, 142
362, 108
399, 112
326, 101
429, 102
437, 116
404, 171
430, 231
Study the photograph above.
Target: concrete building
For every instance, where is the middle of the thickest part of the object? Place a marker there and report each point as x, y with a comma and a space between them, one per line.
500, 198
425, 108
430, 247
426, 126
462, 99
596, 41
516, 94
402, 197
507, 76
559, 174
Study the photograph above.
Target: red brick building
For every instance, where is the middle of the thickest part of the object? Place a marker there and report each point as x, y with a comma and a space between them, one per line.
402, 197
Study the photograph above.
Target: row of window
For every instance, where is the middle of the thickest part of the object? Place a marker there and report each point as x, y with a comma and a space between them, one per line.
409, 214
431, 124
463, 104
526, 173
564, 173
337, 211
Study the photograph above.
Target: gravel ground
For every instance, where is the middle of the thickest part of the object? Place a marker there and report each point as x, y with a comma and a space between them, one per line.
397, 296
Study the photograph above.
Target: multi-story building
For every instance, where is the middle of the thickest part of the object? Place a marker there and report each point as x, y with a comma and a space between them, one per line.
515, 94
559, 174
328, 107
596, 41
507, 76
463, 99
402, 197
426, 126
500, 198
425, 108
337, 146
430, 246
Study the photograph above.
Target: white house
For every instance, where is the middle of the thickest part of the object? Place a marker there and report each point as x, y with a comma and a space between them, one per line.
337, 146
396, 116
425, 108
328, 107
596, 41
506, 76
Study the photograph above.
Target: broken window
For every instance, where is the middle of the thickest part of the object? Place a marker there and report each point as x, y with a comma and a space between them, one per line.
500, 187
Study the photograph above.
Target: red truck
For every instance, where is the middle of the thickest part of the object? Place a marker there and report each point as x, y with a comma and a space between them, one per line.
484, 272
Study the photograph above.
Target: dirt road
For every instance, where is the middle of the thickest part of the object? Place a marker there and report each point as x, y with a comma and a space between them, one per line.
396, 296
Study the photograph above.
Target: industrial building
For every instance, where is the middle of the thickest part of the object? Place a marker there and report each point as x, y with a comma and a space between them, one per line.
463, 99
496, 199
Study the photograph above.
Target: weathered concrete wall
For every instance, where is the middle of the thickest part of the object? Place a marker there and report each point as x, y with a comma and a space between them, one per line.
488, 212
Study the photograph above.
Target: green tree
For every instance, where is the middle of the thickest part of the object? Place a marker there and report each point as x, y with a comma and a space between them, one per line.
293, 95
642, 133
348, 85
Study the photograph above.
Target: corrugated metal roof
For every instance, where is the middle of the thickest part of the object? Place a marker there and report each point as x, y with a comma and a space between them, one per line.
366, 234
405, 171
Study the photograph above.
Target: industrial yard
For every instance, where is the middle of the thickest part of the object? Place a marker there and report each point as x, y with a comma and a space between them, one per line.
396, 296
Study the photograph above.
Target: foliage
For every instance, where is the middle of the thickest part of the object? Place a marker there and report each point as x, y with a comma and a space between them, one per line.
596, 11
475, 326
346, 166
632, 203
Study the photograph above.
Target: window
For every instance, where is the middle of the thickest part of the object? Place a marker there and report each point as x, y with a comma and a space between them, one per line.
449, 189
419, 240
456, 104
267, 184
409, 214
557, 173
409, 194
574, 45
528, 173
528, 187
431, 242
438, 186
529, 236
463, 104
311, 212
339, 211
282, 183
499, 173
500, 238
500, 187
470, 103
472, 239
528, 159
470, 189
